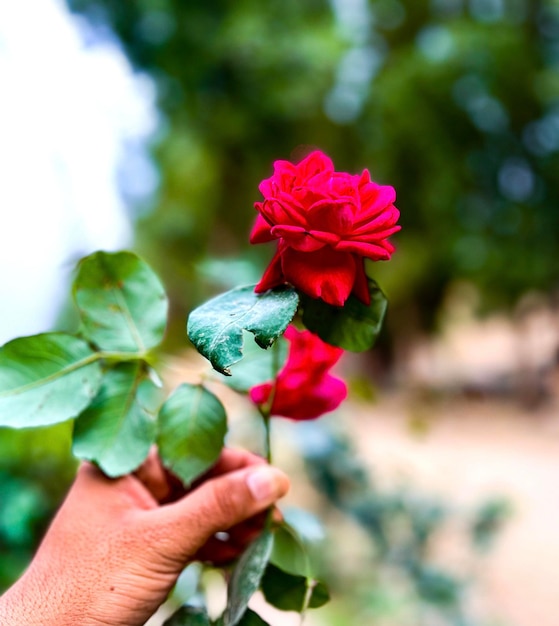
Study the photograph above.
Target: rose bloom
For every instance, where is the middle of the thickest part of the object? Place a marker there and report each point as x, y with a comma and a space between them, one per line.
326, 223
304, 388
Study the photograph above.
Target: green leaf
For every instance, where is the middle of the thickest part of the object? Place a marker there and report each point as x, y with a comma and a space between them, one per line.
118, 428
355, 326
192, 426
246, 577
121, 302
250, 618
289, 553
45, 379
292, 593
216, 327
189, 616
257, 366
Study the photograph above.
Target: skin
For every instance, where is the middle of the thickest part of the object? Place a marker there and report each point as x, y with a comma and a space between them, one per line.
117, 546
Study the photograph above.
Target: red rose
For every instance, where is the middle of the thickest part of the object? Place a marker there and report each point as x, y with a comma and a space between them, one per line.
326, 223
304, 388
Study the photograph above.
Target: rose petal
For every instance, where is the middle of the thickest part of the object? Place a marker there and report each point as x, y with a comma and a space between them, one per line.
261, 232
273, 275
260, 394
279, 212
382, 234
303, 343
361, 285
326, 396
374, 199
334, 216
329, 238
326, 273
369, 250
298, 238
343, 184
378, 224
315, 163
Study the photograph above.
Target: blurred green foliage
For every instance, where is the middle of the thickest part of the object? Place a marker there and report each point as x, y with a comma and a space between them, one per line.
454, 102
35, 471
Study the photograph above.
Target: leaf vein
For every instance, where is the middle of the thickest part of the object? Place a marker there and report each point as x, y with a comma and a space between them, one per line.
52, 377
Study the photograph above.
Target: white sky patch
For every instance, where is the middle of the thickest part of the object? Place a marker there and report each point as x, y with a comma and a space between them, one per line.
68, 115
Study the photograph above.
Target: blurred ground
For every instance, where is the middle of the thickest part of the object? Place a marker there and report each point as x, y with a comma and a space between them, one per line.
477, 448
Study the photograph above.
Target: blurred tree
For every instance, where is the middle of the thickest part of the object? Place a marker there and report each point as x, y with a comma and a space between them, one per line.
239, 84
466, 123
454, 102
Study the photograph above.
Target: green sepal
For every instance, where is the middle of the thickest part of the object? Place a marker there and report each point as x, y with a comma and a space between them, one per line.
354, 327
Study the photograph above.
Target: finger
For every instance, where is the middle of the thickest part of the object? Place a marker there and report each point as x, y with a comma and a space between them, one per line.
220, 504
231, 460
154, 477
166, 487
97, 489
244, 533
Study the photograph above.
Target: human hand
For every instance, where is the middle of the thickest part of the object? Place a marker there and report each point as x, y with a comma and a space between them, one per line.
117, 546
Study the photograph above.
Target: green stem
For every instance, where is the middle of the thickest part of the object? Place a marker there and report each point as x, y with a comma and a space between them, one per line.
266, 413
267, 438
276, 359
266, 409
121, 356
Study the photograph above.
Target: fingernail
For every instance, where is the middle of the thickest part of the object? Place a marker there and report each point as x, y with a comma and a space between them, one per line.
266, 483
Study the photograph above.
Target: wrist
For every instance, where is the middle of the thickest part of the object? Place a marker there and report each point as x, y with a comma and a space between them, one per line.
30, 603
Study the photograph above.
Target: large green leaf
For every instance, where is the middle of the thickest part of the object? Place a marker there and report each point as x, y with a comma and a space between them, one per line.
216, 327
246, 578
292, 593
121, 302
355, 326
189, 616
119, 426
46, 379
192, 426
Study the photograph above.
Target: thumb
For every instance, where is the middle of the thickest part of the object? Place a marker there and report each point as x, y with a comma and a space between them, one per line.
220, 503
